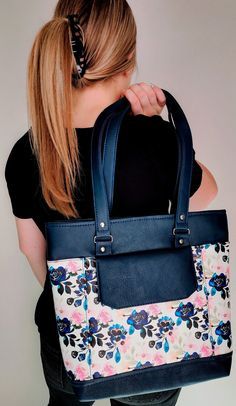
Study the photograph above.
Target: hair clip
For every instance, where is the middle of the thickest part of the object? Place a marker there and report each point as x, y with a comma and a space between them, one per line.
77, 43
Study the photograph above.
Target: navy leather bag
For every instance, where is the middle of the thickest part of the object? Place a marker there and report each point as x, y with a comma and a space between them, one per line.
142, 303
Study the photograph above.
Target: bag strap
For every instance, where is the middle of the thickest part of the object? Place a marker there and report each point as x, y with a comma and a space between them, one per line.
103, 172
109, 156
98, 182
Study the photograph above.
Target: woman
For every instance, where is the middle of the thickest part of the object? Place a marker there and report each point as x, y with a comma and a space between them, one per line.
48, 169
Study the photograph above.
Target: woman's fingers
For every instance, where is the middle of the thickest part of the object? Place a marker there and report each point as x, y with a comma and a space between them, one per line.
134, 101
156, 101
160, 95
146, 99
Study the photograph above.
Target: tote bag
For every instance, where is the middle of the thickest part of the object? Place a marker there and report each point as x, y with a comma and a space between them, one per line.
142, 303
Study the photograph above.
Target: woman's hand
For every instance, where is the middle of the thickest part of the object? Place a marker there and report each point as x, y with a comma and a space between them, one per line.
146, 99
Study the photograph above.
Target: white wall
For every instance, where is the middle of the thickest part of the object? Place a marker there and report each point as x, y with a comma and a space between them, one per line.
184, 46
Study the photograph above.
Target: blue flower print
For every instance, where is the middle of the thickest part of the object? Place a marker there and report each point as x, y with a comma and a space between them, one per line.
190, 356
57, 275
138, 319
218, 281
64, 326
117, 332
185, 311
223, 331
89, 274
96, 375
93, 325
165, 324
90, 333
82, 282
145, 365
86, 282
86, 335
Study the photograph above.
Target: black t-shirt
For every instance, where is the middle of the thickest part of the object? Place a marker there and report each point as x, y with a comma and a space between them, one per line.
145, 176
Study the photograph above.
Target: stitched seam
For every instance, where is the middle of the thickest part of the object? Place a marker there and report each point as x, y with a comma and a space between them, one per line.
149, 218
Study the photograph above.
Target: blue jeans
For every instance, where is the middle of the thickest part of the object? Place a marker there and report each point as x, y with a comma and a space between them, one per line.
61, 392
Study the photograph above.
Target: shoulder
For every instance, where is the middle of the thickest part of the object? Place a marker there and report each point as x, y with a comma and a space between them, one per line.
20, 159
150, 122
21, 176
149, 132
21, 147
151, 125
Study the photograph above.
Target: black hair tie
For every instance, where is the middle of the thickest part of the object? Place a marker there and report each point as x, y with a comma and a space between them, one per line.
77, 44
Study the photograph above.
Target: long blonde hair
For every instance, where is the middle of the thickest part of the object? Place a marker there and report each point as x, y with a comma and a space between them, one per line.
110, 31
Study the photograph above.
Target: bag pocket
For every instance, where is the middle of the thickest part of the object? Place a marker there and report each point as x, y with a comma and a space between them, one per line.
146, 277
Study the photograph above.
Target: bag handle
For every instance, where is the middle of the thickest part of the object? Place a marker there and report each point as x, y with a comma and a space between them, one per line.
103, 172
109, 154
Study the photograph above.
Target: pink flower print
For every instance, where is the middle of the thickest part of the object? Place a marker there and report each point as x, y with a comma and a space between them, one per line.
80, 373
227, 272
173, 336
77, 317
226, 316
199, 301
74, 266
191, 347
108, 370
104, 316
171, 306
126, 344
68, 365
158, 359
154, 309
211, 305
206, 351
143, 355
204, 254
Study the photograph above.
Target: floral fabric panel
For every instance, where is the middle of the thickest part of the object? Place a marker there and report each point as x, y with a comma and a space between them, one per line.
99, 341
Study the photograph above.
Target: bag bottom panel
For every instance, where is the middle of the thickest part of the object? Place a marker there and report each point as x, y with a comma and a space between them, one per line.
152, 379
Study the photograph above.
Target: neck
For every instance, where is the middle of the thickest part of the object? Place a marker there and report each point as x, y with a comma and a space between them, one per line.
90, 101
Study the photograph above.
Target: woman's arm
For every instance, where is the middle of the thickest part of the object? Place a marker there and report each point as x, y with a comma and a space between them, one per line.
207, 191
33, 245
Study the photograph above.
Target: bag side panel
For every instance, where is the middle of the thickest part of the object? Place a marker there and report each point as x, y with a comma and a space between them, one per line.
70, 290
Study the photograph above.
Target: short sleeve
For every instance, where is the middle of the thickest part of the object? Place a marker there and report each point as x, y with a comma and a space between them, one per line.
196, 176
169, 160
18, 173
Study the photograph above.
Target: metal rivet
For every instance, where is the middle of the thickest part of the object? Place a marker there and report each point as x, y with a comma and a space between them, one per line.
181, 241
102, 249
182, 216
102, 224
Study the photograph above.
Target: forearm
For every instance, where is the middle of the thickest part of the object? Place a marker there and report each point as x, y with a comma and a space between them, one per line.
33, 245
39, 267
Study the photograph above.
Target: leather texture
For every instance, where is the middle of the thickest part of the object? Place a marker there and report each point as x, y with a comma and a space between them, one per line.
72, 239
146, 277
163, 377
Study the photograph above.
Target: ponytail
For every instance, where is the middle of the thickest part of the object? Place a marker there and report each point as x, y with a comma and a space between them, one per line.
109, 32
52, 136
